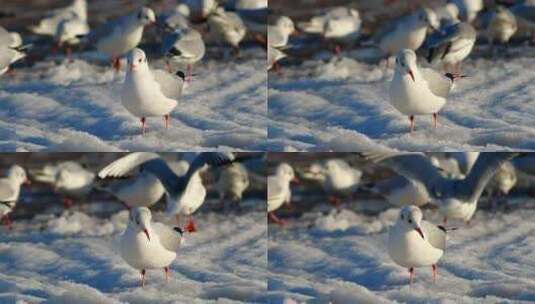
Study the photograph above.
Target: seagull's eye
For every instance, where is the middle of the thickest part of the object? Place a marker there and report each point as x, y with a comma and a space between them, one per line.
410, 221
140, 59
402, 217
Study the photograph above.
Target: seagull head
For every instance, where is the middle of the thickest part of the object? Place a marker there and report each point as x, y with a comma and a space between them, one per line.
137, 60
406, 63
429, 18
286, 172
410, 218
146, 16
63, 177
140, 218
286, 25
18, 175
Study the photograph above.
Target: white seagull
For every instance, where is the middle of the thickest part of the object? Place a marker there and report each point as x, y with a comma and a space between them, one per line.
279, 33
418, 91
456, 198
502, 26
49, 25
340, 179
451, 46
413, 242
70, 31
228, 26
279, 191
146, 245
10, 191
232, 181
118, 37
468, 9
185, 46
147, 93
401, 191
185, 193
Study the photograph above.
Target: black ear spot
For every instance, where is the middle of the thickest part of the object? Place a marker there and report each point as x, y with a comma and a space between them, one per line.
175, 51
450, 76
179, 230
181, 75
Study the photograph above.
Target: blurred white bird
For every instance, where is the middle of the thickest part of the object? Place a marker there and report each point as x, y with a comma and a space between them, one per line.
228, 26
185, 47
254, 14
174, 20
451, 46
273, 56
468, 9
118, 37
405, 33
9, 56
279, 191
10, 191
199, 10
341, 180
232, 181
503, 181
149, 245
147, 93
401, 191
69, 178
70, 32
418, 91
413, 242
279, 33
501, 27
50, 24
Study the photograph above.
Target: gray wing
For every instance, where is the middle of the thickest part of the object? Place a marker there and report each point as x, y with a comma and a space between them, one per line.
389, 27
124, 165
6, 192
5, 57
189, 44
108, 28
5, 38
171, 85
164, 173
484, 169
439, 84
436, 235
415, 166
171, 238
390, 185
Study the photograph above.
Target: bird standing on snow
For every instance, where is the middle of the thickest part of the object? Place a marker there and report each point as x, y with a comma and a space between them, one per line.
413, 242
229, 27
11, 49
146, 245
120, 36
10, 190
232, 181
502, 26
149, 93
468, 9
70, 31
451, 46
418, 91
49, 25
185, 47
340, 180
279, 33
279, 190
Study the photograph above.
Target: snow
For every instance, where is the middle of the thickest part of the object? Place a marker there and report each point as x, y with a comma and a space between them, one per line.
71, 259
315, 259
342, 104
76, 106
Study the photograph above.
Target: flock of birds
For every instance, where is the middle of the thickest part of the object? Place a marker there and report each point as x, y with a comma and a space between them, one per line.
147, 93
450, 182
443, 35
139, 180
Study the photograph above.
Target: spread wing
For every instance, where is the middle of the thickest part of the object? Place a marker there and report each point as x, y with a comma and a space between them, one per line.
124, 165
436, 235
171, 85
171, 238
275, 190
439, 84
7, 193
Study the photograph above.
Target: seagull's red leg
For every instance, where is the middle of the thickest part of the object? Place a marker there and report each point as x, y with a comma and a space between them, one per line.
435, 118
69, 53
67, 203
7, 221
445, 221
189, 72
116, 64
275, 219
143, 125
411, 275
411, 119
338, 50
166, 118
168, 66
434, 273
166, 269
142, 277
190, 227
333, 200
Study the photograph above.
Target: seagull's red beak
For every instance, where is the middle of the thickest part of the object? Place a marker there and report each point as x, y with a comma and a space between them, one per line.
27, 182
419, 230
412, 75
296, 180
147, 234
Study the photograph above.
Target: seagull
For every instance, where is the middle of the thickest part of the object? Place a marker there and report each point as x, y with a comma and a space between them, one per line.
468, 9
502, 26
502, 182
340, 179
406, 33
413, 242
228, 26
70, 32
147, 93
525, 12
451, 46
418, 91
49, 25
455, 164
199, 10
135, 187
456, 198
232, 181
10, 190
185, 193
448, 12
279, 33
174, 20
10, 39
184, 46
279, 190
68, 178
9, 56
254, 14
118, 37
402, 191
273, 56
148, 245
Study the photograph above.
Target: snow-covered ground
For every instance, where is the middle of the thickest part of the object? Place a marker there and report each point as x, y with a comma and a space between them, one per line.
76, 107
342, 258
342, 104
71, 259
